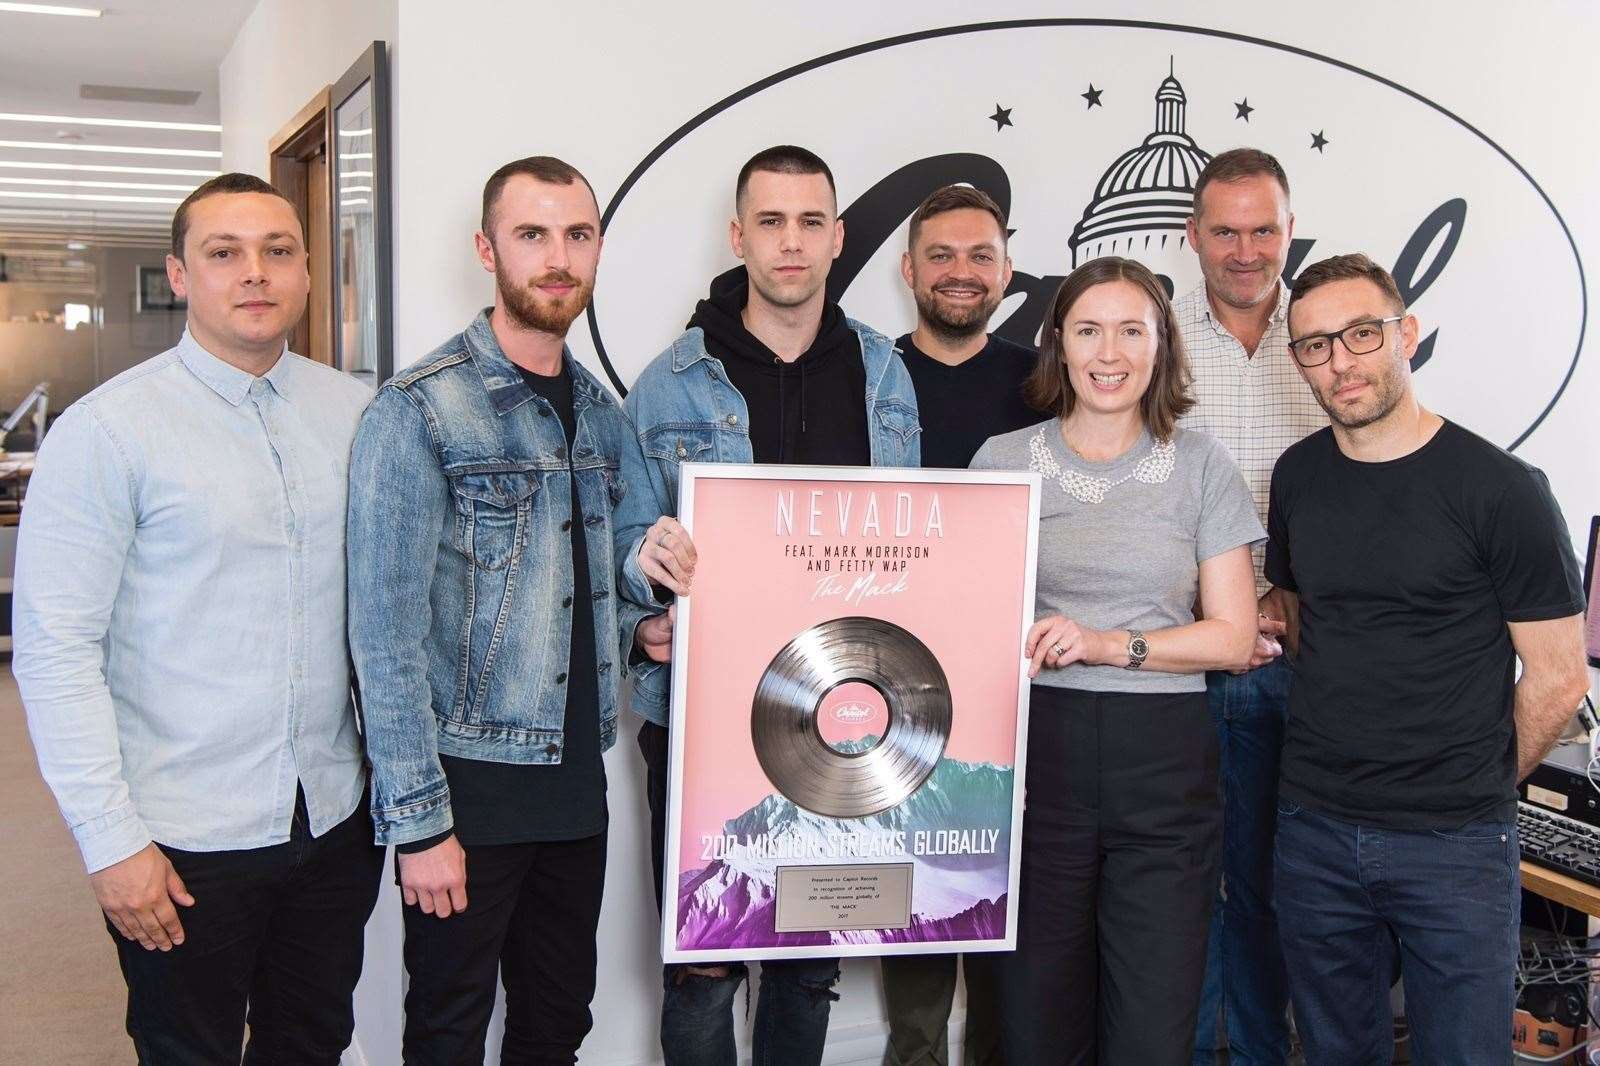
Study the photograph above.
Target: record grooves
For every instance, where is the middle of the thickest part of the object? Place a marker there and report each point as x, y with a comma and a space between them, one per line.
783, 717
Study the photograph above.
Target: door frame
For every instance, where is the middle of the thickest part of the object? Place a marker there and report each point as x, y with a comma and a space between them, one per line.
291, 152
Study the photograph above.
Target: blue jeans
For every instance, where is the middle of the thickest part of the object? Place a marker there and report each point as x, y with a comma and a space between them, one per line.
791, 1024
1444, 903
1245, 987
797, 995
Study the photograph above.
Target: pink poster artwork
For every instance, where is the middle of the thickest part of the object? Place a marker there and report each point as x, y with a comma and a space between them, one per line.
947, 561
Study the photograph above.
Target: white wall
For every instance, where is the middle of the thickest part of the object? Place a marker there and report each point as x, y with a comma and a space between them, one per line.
626, 75
287, 51
600, 85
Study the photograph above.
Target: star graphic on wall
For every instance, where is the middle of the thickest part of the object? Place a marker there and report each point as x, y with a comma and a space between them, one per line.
1001, 117
1242, 109
1318, 141
1093, 96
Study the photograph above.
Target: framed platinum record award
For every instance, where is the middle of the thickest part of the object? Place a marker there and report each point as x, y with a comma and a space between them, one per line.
849, 712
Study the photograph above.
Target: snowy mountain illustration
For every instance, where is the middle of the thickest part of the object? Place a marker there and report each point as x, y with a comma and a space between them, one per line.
730, 902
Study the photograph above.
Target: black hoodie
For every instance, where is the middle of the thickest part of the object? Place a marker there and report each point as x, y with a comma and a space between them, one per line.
812, 411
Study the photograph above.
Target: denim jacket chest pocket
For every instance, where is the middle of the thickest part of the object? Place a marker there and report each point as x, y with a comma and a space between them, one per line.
670, 446
493, 513
898, 427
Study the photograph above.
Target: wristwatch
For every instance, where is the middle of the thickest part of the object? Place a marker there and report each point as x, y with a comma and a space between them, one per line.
1138, 648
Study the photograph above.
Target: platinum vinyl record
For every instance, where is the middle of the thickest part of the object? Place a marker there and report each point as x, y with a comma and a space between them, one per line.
789, 743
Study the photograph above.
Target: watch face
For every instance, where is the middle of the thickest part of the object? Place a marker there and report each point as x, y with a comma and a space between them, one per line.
1138, 647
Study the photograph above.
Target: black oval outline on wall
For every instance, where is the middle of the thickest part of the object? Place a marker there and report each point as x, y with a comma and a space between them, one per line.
1040, 23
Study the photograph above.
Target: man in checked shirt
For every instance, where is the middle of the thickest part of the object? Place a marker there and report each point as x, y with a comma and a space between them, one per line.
1248, 395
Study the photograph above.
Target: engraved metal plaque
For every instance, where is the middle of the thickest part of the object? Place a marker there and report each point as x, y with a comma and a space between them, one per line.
825, 898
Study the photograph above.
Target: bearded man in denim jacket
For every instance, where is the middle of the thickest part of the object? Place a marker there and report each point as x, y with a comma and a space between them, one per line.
491, 529
770, 371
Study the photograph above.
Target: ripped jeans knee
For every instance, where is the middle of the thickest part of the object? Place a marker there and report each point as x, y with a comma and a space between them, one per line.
802, 976
791, 1023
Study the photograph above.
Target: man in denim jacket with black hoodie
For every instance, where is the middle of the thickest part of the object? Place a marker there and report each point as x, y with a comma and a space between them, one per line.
491, 529
770, 371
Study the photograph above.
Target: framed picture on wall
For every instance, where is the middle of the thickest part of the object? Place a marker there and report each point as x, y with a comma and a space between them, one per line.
1591, 588
359, 156
154, 293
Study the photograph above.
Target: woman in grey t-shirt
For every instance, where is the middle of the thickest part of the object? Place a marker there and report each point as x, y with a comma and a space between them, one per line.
1139, 521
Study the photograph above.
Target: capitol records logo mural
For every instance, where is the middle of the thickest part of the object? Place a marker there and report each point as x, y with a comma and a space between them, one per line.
1091, 133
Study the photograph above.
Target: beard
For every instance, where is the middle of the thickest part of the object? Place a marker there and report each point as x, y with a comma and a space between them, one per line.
1234, 292
528, 309
1388, 389
957, 323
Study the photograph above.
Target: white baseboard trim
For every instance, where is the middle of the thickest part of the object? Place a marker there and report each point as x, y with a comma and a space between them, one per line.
861, 1044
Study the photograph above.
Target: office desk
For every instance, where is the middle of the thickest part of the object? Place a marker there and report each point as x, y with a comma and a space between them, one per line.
1560, 888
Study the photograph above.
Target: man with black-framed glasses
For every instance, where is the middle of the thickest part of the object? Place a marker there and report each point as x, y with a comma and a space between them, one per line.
1421, 563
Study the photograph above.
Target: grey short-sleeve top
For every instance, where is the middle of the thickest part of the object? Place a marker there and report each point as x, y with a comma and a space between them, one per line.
1132, 559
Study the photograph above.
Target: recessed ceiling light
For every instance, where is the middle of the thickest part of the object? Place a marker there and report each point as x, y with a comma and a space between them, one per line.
71, 183
52, 9
98, 199
107, 168
121, 149
140, 124
77, 246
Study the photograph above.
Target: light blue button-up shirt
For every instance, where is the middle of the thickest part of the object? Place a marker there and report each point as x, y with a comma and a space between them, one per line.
179, 608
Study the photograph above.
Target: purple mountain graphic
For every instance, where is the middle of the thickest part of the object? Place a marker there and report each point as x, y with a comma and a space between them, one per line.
731, 902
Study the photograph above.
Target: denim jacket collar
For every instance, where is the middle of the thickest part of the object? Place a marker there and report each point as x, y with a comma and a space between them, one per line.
503, 380
690, 348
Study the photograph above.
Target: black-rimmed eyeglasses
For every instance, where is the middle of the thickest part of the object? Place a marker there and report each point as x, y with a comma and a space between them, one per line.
1358, 338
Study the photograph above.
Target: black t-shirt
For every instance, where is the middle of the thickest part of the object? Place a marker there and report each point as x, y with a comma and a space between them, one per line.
1400, 714
505, 803
962, 406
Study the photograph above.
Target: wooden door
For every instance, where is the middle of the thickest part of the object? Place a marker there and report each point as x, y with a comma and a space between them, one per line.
319, 309
299, 170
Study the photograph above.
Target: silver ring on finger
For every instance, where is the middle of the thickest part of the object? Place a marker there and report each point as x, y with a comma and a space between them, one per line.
1059, 650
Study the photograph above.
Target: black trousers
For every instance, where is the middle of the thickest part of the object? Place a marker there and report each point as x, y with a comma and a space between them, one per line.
532, 911
1120, 853
275, 933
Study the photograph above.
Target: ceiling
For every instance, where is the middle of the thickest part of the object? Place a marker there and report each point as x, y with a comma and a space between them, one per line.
44, 60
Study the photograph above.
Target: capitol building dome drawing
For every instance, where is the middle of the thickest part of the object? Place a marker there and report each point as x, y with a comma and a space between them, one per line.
1146, 196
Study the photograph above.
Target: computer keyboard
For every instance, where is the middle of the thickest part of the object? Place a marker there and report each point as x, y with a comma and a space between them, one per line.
1558, 842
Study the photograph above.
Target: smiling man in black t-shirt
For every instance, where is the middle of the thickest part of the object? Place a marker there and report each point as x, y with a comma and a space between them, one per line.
1424, 563
968, 381
969, 388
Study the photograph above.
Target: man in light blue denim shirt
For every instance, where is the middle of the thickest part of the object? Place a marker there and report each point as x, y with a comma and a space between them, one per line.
179, 626
770, 371
498, 500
